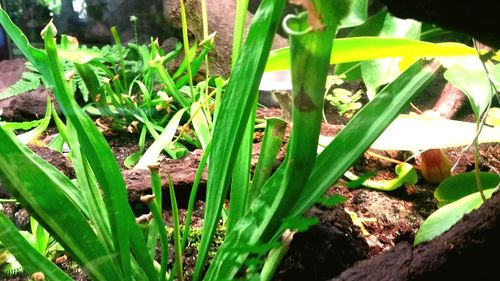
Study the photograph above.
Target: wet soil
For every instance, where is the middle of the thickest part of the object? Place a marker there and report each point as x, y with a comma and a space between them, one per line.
381, 219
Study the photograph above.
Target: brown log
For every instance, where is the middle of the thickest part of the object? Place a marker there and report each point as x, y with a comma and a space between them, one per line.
470, 250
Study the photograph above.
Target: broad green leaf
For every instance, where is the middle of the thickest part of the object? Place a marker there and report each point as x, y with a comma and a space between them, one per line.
455, 187
471, 78
493, 117
379, 72
417, 132
445, 217
370, 48
495, 75
371, 27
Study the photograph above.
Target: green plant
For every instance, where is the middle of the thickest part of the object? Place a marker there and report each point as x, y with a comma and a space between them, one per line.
131, 95
261, 226
98, 228
345, 101
39, 239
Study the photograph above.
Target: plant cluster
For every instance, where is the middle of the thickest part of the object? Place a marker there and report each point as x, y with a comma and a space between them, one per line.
98, 227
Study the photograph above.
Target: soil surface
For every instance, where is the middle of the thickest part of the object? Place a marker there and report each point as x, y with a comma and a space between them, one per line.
369, 222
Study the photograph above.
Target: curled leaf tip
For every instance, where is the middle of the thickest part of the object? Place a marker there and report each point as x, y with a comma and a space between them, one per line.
313, 17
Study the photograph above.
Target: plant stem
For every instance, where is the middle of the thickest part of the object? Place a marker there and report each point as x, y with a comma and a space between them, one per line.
271, 145
177, 231
239, 29
185, 40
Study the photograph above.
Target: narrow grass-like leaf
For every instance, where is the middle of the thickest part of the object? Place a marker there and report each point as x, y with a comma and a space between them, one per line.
31, 260
151, 155
169, 83
200, 124
310, 61
177, 231
187, 55
37, 186
32, 135
97, 151
88, 187
240, 181
237, 106
103, 164
158, 220
239, 28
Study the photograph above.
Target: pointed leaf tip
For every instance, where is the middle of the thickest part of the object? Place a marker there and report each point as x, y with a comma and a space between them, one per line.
49, 31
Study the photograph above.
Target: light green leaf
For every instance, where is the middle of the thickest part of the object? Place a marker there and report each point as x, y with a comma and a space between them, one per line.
444, 218
200, 124
417, 132
379, 72
79, 56
370, 48
153, 152
405, 172
32, 135
471, 79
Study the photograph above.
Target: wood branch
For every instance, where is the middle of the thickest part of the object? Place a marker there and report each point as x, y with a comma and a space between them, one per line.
470, 250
